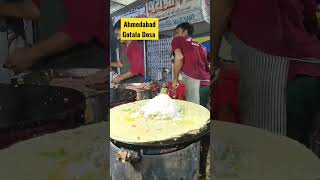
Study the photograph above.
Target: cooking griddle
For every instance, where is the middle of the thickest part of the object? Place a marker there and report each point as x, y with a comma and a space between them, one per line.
120, 96
28, 110
179, 142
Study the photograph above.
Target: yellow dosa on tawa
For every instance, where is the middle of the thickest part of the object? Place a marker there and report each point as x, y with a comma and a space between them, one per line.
123, 128
79, 154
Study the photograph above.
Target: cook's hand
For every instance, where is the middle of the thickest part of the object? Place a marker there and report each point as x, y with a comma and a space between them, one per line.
20, 60
175, 84
119, 64
116, 80
172, 59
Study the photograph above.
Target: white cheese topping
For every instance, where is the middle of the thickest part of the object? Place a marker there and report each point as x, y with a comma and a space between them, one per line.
161, 107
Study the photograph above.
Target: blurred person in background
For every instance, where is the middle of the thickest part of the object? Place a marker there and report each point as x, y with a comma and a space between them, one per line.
225, 86
270, 39
131, 62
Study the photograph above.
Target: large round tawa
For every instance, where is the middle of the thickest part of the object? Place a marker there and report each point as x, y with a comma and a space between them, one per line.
246, 153
146, 131
74, 154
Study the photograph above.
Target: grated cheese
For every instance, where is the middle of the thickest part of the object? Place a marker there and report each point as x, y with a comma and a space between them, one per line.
160, 108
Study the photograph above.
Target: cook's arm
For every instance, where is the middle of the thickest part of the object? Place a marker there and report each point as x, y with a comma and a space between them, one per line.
135, 54
221, 12
54, 44
125, 76
116, 65
25, 9
178, 61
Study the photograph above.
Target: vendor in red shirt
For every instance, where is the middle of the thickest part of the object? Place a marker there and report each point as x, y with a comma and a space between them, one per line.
189, 60
131, 64
79, 28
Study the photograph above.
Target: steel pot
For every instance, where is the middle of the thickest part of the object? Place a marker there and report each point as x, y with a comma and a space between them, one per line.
96, 110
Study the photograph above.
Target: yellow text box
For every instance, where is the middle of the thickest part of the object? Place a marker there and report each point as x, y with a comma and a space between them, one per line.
139, 29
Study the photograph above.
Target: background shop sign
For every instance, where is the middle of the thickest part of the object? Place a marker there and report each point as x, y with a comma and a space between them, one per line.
206, 10
172, 22
166, 8
137, 12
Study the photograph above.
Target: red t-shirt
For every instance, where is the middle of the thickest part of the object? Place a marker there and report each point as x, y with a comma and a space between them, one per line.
195, 62
227, 92
279, 27
134, 52
85, 20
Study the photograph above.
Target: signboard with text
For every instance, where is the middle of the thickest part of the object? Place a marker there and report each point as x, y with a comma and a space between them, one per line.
170, 12
172, 22
206, 10
136, 12
167, 8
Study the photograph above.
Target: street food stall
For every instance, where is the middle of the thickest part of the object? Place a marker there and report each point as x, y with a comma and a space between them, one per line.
152, 144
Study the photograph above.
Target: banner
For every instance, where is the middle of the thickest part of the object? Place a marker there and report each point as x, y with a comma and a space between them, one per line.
206, 10
172, 22
137, 12
167, 8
